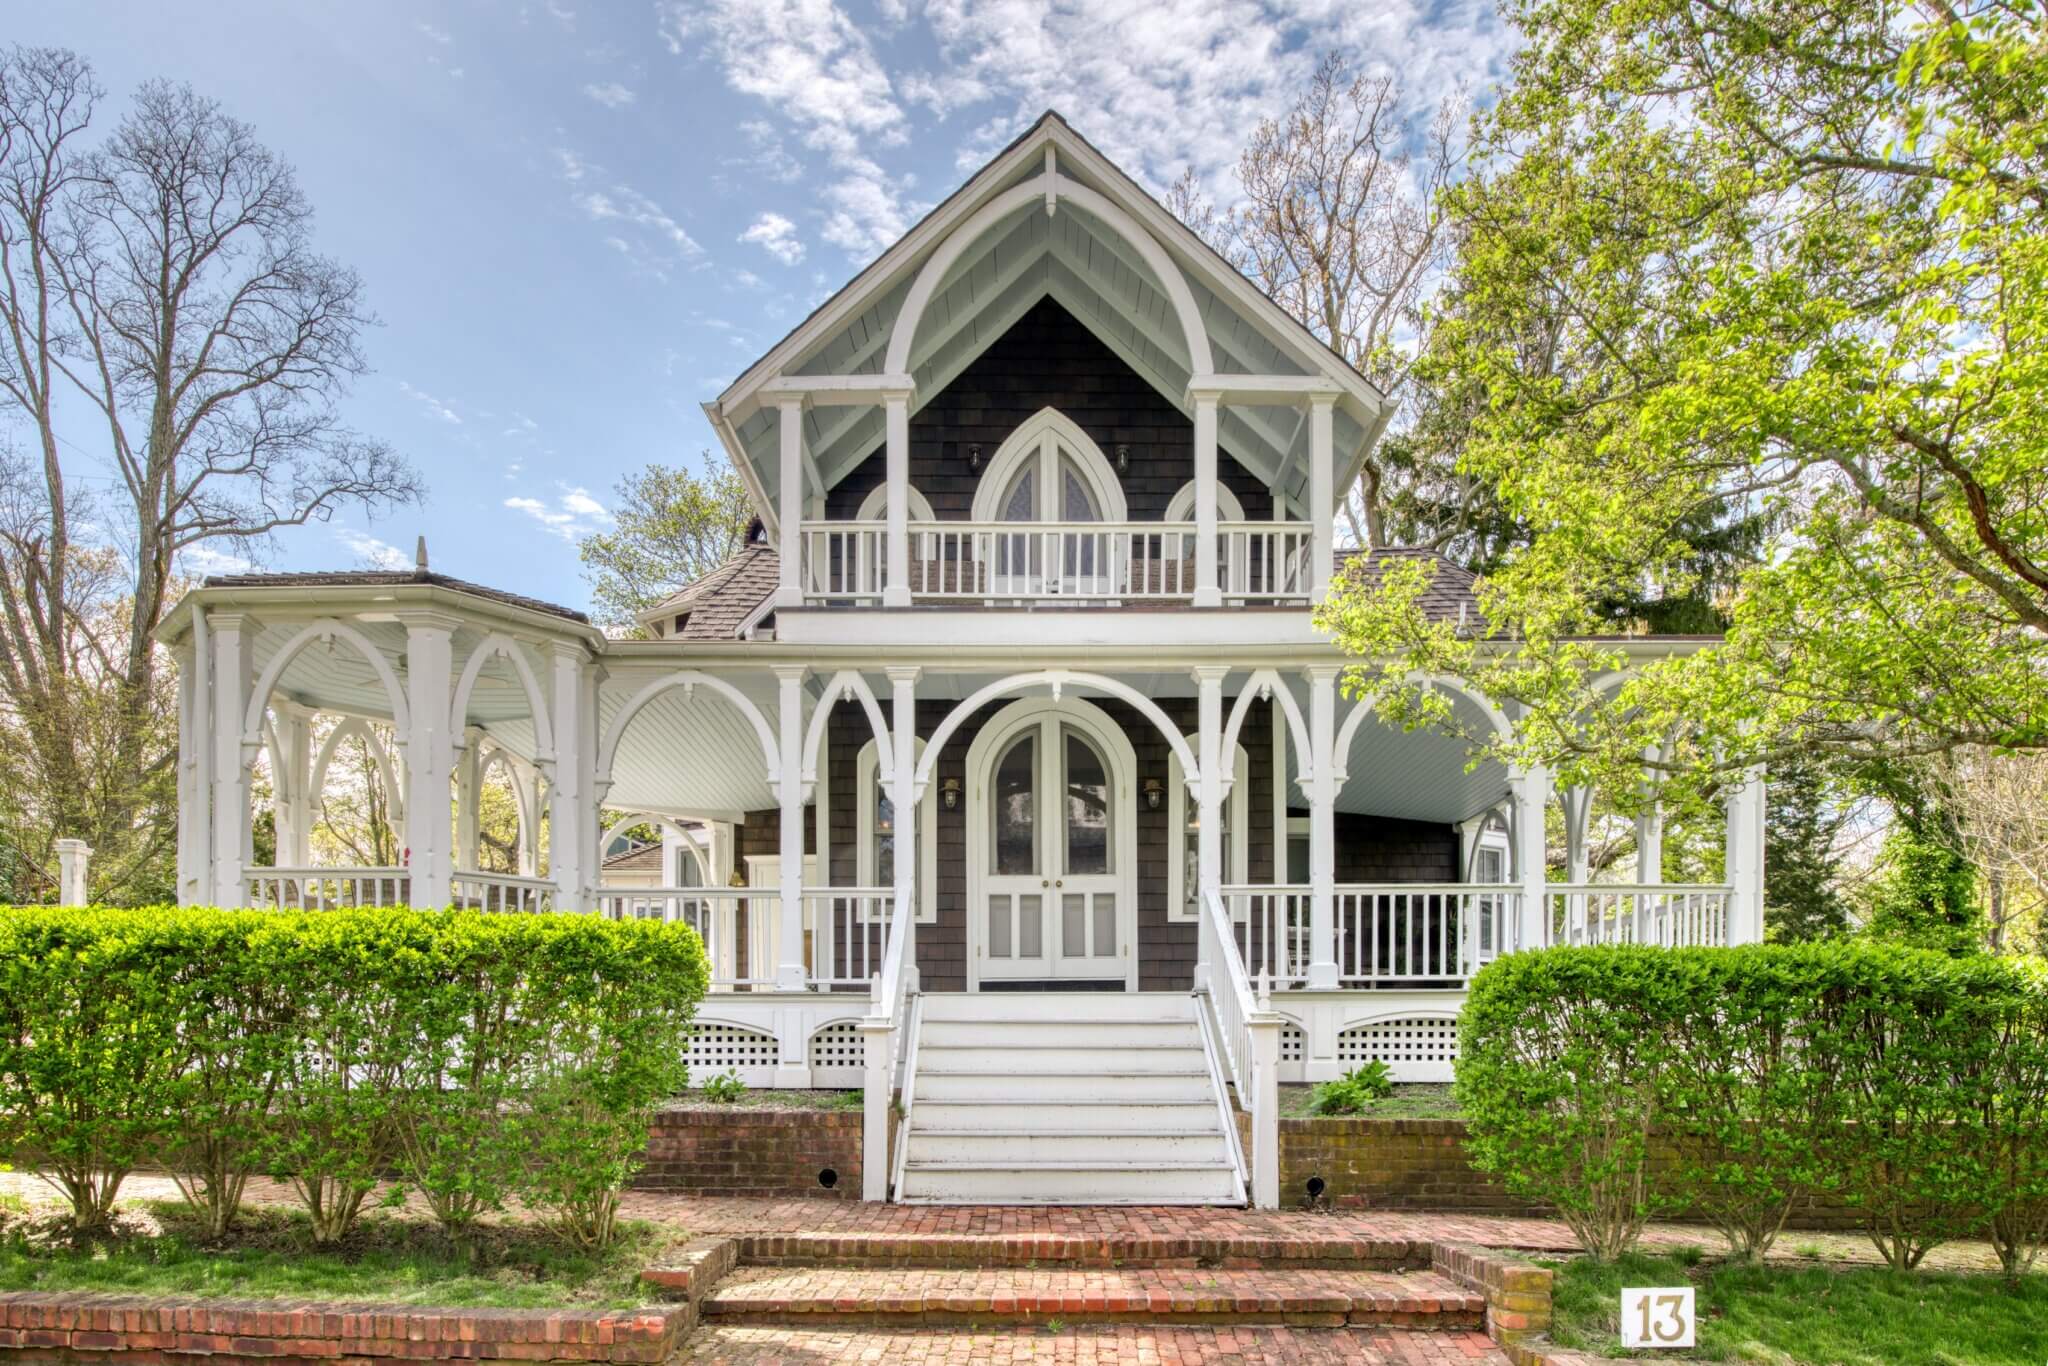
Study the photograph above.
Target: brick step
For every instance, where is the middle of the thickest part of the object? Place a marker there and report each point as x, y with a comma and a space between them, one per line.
1128, 1251
810, 1296
756, 1345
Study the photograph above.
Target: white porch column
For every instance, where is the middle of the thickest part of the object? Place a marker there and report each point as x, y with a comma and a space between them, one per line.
1650, 843
896, 428
468, 796
1207, 591
1322, 510
789, 968
1577, 803
1743, 859
533, 793
1264, 1031
195, 744
1322, 827
1209, 780
572, 807
878, 1107
291, 802
429, 755
230, 672
789, 502
903, 796
73, 860
1529, 790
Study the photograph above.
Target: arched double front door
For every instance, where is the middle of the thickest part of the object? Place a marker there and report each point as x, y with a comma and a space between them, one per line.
1052, 891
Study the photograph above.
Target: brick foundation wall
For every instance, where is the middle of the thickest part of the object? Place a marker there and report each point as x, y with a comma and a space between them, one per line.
721, 1150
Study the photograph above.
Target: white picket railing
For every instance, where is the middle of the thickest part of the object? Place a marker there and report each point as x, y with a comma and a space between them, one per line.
1382, 932
741, 926
1001, 562
1667, 915
849, 930
474, 891
1247, 1035
323, 889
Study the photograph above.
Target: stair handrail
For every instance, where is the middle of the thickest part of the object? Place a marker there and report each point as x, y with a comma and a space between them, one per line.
1249, 1032
881, 1030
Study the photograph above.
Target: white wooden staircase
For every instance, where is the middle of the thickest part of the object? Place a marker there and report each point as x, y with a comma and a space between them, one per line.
1065, 1098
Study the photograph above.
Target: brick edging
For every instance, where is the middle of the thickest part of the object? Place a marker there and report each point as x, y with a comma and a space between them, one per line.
1517, 1291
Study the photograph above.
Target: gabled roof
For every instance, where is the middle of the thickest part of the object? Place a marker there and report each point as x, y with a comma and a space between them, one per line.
720, 603
1064, 251
1450, 595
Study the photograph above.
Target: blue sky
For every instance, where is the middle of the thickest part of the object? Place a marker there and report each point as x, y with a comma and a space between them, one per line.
577, 221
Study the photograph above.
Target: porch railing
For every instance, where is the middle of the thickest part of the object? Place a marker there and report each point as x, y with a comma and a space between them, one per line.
1668, 915
474, 891
849, 929
323, 889
740, 926
1056, 561
1247, 1036
1382, 933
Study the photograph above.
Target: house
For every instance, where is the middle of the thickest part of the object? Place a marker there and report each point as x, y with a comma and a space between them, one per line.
1015, 779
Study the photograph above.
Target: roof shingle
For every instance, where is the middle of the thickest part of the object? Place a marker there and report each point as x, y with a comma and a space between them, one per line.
391, 578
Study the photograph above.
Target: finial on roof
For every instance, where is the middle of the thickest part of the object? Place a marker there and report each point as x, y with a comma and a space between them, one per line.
419, 554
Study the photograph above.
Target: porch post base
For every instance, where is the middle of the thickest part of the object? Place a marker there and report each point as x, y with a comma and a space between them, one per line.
789, 597
791, 977
1322, 976
1208, 597
893, 596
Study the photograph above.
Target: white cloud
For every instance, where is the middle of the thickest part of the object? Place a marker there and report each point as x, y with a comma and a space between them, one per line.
661, 241
610, 94
437, 35
206, 559
434, 406
775, 235
371, 551
574, 515
810, 62
562, 13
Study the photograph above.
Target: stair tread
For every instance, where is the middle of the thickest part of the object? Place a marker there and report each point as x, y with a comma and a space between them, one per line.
928, 1131
1061, 1164
1119, 1045
905, 1290
922, 1070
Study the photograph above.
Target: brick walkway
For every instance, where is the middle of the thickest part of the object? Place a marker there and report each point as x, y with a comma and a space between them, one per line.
1122, 1343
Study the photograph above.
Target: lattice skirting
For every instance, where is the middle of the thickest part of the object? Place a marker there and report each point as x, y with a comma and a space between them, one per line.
1414, 1047
838, 1055
717, 1048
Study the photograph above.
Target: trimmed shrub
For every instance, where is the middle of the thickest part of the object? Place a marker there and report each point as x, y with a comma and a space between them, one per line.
1905, 1082
476, 1056
89, 1048
1561, 1055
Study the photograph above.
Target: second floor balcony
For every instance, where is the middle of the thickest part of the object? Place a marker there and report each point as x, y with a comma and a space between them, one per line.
1010, 563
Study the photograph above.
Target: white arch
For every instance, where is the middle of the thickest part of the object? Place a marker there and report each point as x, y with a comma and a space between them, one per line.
690, 678
499, 644
1341, 750
1035, 191
497, 756
323, 629
875, 506
633, 818
387, 772
1024, 443
847, 683
1055, 679
1297, 729
1181, 507
1383, 1015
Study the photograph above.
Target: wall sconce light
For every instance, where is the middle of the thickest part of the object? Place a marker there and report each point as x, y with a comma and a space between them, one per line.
1123, 459
949, 790
1155, 792
974, 457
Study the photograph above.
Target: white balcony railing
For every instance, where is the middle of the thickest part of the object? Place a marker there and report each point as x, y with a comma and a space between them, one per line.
323, 889
1382, 933
474, 891
845, 929
1667, 915
1005, 562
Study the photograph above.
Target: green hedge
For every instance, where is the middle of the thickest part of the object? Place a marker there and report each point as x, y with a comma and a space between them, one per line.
477, 1057
1624, 1083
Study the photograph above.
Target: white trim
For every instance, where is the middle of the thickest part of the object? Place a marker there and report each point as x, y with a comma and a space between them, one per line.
1236, 857
866, 787
1038, 437
689, 679
1057, 680
323, 628
875, 506
497, 643
1181, 507
1115, 747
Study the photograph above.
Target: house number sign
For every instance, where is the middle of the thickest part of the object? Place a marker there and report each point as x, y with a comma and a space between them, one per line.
1658, 1317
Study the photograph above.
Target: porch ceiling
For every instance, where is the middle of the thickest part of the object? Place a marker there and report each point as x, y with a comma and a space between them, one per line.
1415, 775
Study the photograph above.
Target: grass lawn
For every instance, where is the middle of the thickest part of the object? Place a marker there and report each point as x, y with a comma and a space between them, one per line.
1414, 1101
395, 1260
1863, 1316
695, 1098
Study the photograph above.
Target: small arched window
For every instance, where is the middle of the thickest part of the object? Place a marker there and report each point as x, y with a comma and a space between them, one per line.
1049, 470
1182, 506
875, 507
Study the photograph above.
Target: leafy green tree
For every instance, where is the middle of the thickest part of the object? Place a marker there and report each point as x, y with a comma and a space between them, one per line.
1761, 264
1925, 893
672, 525
1802, 883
